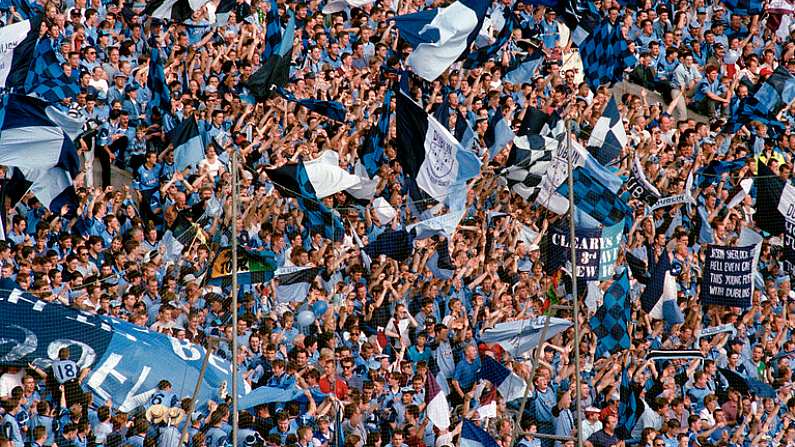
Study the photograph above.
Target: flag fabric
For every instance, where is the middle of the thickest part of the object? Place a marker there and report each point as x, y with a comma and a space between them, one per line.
371, 152
333, 110
52, 187
253, 266
608, 137
596, 199
308, 183
439, 263
520, 336
538, 122
483, 54
440, 36
176, 10
46, 78
712, 173
630, 407
275, 70
17, 46
605, 55
436, 407
768, 99
156, 83
294, 283
524, 70
528, 162
745, 385
335, 6
499, 133
273, 31
474, 436
769, 187
188, 144
33, 135
659, 297
510, 385
428, 152
744, 7
739, 192
610, 321
443, 225
638, 268
395, 244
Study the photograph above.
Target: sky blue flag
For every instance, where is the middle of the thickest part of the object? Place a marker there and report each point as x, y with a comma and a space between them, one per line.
333, 110
16, 55
268, 395
429, 154
440, 36
499, 133
188, 144
474, 436
439, 262
53, 187
372, 150
33, 135
596, 199
510, 385
521, 336
610, 321
46, 78
524, 70
443, 225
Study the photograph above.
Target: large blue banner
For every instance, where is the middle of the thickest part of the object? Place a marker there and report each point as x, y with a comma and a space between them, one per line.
125, 360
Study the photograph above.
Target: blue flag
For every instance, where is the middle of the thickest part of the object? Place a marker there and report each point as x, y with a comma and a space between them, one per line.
17, 55
744, 7
273, 31
605, 55
499, 134
524, 70
333, 110
474, 436
630, 407
482, 55
770, 97
610, 321
596, 199
372, 150
47, 79
156, 82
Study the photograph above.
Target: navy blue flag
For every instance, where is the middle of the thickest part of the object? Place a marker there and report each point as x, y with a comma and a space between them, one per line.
558, 252
728, 276
638, 267
16, 55
597, 200
275, 70
483, 54
47, 79
605, 55
442, 112
769, 187
395, 244
156, 82
744, 7
372, 151
610, 321
333, 110
770, 97
188, 144
533, 122
292, 180
120, 369
630, 407
439, 263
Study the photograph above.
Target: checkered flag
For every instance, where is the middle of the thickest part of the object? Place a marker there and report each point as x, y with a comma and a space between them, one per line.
46, 78
605, 55
528, 162
595, 199
608, 137
611, 319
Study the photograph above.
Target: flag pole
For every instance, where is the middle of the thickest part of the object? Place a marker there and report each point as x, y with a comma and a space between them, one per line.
211, 346
235, 197
576, 318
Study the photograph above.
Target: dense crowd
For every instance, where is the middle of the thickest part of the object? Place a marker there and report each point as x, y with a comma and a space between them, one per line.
389, 325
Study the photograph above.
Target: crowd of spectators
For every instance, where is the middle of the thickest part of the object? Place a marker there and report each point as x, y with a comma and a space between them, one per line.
388, 325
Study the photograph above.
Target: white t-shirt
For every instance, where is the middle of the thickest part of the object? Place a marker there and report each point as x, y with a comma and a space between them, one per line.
10, 381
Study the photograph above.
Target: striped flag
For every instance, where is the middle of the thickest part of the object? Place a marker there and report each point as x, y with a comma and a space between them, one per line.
510, 385
659, 296
273, 31
474, 436
188, 144
177, 10
499, 133
294, 282
436, 407
333, 110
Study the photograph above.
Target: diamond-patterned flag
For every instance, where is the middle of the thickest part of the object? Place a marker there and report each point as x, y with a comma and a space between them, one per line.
630, 407
47, 79
595, 199
609, 323
605, 55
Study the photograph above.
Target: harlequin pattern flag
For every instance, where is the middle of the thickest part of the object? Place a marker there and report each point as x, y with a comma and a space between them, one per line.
596, 199
47, 78
605, 55
744, 7
611, 319
630, 407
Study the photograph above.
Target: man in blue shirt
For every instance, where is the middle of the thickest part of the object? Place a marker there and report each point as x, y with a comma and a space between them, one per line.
709, 96
147, 182
466, 372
